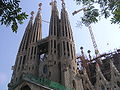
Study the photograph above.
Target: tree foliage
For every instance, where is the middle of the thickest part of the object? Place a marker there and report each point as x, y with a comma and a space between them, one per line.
97, 8
11, 14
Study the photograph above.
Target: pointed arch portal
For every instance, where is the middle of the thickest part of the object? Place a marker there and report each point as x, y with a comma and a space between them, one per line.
25, 88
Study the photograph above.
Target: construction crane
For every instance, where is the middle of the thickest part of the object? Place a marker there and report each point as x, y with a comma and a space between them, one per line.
91, 32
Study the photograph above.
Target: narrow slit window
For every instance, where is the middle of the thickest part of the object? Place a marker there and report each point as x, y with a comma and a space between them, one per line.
68, 49
55, 44
64, 47
32, 51
71, 50
35, 51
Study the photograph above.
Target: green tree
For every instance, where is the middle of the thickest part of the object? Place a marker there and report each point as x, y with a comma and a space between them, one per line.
11, 14
98, 8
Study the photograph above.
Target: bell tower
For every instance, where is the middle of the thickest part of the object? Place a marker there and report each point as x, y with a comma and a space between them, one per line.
49, 65
21, 59
67, 52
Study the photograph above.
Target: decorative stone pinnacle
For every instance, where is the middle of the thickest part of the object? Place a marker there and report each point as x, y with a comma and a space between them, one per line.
81, 48
55, 1
40, 5
51, 3
89, 51
63, 2
89, 54
32, 13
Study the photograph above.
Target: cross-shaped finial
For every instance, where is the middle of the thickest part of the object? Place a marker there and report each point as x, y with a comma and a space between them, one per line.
40, 5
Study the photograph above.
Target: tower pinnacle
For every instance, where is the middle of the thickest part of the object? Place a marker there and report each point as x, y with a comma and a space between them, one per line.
63, 3
36, 33
40, 5
32, 13
53, 3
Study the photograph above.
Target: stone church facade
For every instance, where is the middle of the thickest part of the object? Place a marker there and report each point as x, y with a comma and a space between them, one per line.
51, 59
50, 63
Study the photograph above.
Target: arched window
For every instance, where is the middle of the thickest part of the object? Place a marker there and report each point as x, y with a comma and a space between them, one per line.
26, 87
74, 84
24, 59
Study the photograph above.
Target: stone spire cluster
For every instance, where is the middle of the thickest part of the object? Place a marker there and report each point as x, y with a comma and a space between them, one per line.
50, 63
51, 58
26, 60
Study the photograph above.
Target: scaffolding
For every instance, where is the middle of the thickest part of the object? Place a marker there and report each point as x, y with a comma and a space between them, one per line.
51, 85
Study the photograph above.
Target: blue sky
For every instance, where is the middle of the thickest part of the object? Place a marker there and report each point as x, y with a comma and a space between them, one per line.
107, 36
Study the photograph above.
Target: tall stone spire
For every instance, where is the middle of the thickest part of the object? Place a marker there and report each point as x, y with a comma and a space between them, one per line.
32, 63
53, 28
67, 50
26, 36
66, 32
37, 27
22, 52
63, 3
53, 42
54, 20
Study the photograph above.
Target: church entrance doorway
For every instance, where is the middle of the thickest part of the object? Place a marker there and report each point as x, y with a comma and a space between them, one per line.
25, 88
